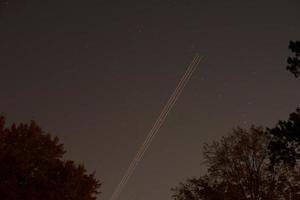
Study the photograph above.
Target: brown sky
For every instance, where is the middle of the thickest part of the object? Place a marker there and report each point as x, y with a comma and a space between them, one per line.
97, 73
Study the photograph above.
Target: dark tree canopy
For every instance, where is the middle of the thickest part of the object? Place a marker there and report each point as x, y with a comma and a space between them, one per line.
285, 144
294, 61
32, 167
238, 168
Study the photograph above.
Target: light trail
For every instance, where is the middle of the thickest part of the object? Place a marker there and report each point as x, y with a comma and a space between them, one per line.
171, 102
167, 106
158, 123
155, 128
167, 109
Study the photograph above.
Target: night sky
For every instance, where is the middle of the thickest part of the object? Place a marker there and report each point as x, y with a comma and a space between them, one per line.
97, 73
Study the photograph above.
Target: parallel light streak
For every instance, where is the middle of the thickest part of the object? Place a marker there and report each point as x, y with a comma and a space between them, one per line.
158, 123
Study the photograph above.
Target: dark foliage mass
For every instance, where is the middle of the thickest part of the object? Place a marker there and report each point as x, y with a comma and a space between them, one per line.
285, 144
32, 167
294, 61
238, 168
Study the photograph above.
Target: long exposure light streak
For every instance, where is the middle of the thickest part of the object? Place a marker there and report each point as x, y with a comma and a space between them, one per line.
158, 123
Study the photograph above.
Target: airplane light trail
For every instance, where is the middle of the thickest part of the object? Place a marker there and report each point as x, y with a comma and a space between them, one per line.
158, 123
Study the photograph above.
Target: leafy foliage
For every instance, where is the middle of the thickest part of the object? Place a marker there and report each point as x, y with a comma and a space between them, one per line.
285, 144
32, 167
238, 168
294, 61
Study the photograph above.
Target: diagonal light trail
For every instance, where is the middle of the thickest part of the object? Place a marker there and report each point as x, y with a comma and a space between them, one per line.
141, 149
170, 103
154, 130
167, 109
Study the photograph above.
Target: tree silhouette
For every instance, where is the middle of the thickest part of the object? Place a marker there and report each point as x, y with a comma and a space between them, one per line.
32, 167
285, 144
294, 61
238, 168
